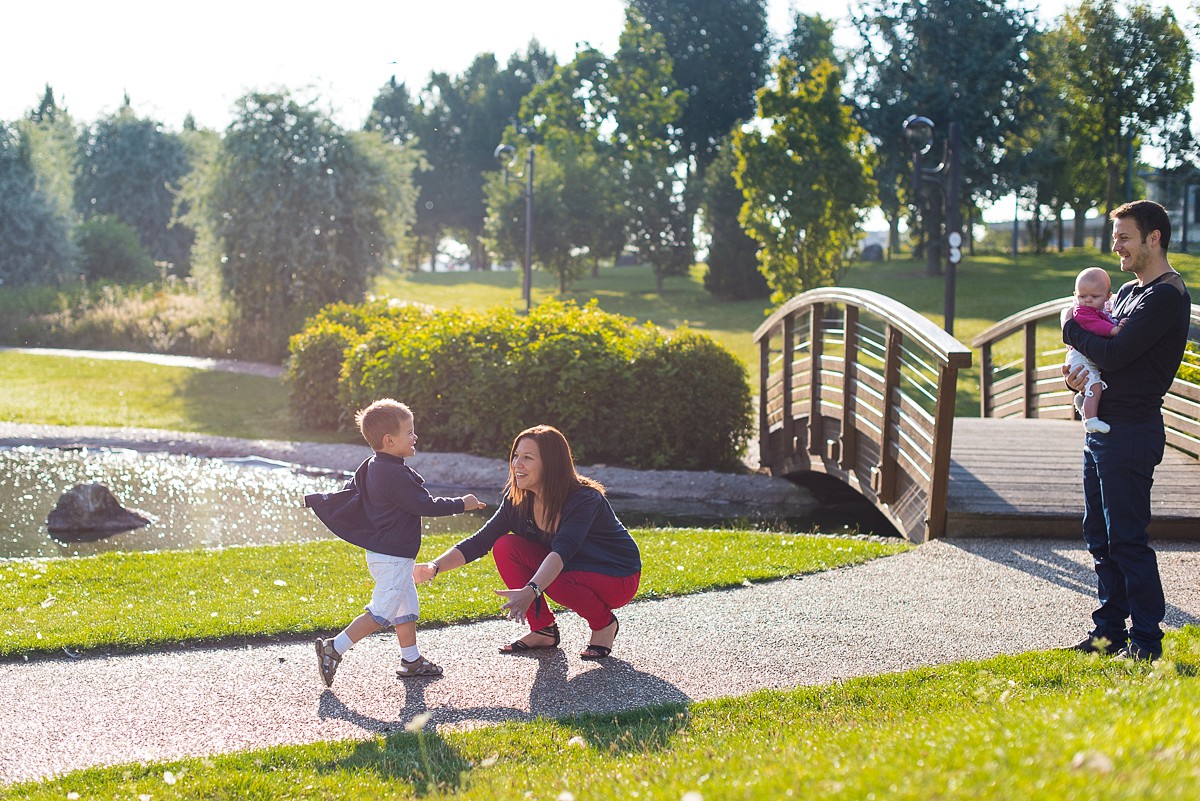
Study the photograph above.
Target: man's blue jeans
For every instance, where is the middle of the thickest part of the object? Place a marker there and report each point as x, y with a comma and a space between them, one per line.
1118, 471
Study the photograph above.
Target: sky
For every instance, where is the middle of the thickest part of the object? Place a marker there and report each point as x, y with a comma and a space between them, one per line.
173, 59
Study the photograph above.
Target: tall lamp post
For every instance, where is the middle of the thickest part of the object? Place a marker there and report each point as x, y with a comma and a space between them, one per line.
947, 177
507, 156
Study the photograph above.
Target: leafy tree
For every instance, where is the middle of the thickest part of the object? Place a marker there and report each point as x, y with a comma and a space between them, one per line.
646, 112
806, 177
131, 168
35, 244
732, 255
392, 113
961, 61
1125, 76
109, 250
718, 51
558, 237
296, 213
50, 132
459, 121
570, 115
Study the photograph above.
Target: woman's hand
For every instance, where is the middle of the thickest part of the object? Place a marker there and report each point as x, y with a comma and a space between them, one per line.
518, 602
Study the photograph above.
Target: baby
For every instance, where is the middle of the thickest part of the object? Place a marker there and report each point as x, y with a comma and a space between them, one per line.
1092, 293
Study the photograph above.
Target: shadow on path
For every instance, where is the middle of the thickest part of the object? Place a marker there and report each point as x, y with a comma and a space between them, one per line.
1045, 560
612, 685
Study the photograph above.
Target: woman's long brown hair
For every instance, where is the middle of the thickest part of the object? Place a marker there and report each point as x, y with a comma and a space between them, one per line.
559, 477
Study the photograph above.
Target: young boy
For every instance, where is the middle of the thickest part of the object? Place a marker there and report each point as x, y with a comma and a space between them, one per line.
1093, 291
380, 510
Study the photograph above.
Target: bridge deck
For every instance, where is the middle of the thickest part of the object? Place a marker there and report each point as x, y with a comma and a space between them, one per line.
1016, 477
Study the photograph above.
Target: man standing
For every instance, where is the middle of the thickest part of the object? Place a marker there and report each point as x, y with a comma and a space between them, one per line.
1138, 366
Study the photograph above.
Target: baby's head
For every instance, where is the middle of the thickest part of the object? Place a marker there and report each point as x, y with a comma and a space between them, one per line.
1093, 288
381, 418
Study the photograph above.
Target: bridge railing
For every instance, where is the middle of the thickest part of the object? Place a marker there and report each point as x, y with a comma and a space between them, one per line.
1021, 373
858, 386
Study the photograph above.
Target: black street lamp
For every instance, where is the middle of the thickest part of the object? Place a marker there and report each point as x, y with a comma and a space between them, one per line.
947, 177
507, 156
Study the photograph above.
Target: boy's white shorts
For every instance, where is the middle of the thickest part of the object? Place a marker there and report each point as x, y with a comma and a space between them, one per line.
394, 599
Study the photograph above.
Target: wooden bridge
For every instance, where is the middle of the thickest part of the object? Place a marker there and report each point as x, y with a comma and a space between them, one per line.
858, 386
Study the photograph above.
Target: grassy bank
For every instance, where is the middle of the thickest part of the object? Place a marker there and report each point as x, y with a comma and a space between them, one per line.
133, 600
58, 390
1049, 725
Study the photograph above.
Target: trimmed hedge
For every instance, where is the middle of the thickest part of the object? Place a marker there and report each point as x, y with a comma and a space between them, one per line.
624, 394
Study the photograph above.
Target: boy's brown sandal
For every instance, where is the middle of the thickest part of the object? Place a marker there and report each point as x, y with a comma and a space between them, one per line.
418, 667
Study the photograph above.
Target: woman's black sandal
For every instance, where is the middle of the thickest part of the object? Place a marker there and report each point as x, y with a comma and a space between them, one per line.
594, 652
519, 647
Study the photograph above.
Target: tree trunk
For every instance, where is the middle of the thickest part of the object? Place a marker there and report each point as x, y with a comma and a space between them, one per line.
933, 242
1079, 229
1109, 192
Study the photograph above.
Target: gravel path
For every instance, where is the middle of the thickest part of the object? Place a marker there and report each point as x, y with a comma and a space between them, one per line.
942, 602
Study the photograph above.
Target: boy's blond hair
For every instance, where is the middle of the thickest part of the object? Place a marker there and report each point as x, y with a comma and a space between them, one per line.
383, 417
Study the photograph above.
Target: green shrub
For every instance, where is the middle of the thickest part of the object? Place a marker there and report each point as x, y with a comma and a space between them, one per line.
692, 396
109, 250
313, 372
317, 355
623, 393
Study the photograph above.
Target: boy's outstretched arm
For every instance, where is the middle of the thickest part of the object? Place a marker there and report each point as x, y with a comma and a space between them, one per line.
450, 559
471, 503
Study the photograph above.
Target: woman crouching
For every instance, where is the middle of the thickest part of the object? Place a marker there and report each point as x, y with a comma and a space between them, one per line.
555, 534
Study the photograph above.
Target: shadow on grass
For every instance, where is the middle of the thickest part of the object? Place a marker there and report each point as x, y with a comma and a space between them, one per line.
590, 703
233, 404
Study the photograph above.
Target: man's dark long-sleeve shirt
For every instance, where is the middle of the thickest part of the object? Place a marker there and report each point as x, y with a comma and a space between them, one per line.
1139, 363
381, 507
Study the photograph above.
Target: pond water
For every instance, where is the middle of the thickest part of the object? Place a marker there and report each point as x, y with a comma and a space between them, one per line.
194, 503
213, 503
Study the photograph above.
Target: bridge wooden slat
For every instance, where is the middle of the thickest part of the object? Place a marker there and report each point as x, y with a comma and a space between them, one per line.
1186, 390
1008, 384
1185, 407
1009, 406
1188, 426
1184, 443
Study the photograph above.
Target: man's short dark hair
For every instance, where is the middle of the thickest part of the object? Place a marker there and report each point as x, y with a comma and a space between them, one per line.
1148, 216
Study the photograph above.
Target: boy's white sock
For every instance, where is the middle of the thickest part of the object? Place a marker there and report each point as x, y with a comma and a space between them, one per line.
342, 643
1094, 425
410, 653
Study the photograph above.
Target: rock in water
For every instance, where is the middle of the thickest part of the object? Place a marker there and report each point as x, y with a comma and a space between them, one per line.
92, 508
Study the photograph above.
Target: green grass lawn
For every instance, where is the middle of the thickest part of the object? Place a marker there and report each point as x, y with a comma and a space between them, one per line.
132, 600
1049, 726
59, 390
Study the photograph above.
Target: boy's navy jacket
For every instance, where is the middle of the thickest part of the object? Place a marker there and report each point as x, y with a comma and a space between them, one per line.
380, 509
